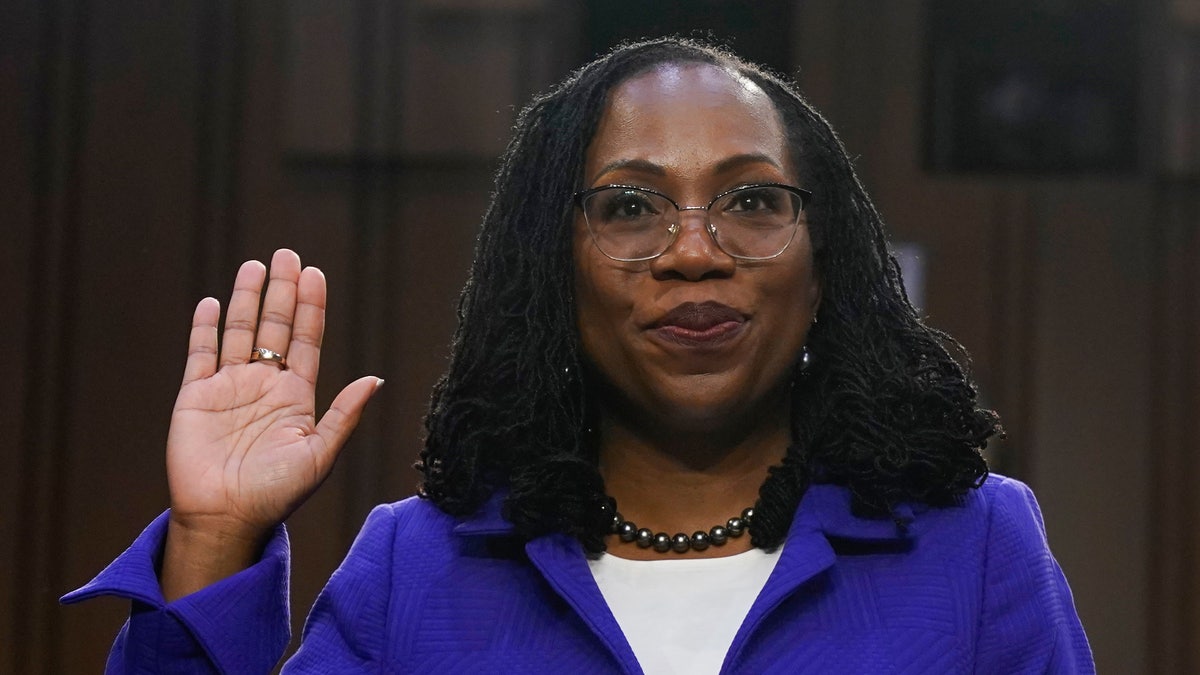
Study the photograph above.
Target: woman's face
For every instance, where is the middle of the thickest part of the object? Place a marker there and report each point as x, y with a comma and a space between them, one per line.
694, 340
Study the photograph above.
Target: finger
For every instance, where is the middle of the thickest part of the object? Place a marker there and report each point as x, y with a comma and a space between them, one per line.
304, 352
339, 421
241, 319
279, 307
202, 343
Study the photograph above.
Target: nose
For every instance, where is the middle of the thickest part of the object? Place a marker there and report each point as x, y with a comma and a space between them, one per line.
693, 255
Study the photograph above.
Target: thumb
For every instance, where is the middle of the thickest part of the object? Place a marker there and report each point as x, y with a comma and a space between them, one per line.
339, 421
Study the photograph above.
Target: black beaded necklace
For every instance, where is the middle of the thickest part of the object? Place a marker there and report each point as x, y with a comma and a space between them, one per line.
662, 542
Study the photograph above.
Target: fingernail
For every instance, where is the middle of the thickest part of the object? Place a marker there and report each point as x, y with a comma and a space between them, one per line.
378, 382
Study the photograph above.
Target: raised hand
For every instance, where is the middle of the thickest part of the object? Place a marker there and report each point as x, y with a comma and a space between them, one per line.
245, 447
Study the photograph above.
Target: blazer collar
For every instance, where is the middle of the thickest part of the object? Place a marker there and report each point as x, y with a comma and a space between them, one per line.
488, 521
831, 507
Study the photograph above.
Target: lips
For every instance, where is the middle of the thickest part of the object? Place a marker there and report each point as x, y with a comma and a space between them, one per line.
699, 324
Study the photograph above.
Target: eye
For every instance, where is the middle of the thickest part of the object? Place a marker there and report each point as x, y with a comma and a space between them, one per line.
625, 204
754, 200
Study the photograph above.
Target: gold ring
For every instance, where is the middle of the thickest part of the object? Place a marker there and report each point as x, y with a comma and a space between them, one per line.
264, 354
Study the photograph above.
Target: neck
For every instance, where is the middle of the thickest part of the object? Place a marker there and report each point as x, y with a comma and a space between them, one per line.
689, 482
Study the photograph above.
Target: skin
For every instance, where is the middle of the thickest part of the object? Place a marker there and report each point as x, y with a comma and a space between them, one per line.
245, 447
689, 428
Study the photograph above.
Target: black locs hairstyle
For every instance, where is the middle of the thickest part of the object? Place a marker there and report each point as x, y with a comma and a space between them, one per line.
885, 410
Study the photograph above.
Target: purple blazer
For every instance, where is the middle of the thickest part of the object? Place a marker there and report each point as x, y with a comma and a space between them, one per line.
966, 589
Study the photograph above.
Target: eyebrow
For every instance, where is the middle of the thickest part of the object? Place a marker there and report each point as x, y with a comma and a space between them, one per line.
723, 166
738, 161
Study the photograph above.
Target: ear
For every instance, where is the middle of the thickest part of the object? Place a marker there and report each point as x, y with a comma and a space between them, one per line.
816, 293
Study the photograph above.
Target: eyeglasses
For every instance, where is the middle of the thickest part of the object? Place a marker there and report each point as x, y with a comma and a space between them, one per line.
751, 222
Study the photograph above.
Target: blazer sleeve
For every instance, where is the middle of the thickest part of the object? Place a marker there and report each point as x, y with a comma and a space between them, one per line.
347, 627
1028, 623
239, 625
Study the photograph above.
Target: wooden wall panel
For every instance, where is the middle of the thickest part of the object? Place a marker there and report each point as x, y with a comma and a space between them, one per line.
133, 287
1092, 420
19, 34
1174, 610
1174, 554
51, 81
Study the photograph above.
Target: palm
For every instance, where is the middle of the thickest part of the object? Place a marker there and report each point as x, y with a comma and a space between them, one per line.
243, 442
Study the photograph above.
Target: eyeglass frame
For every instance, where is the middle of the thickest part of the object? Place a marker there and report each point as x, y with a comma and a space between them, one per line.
804, 195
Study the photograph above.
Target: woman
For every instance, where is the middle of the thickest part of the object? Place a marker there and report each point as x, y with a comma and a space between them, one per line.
681, 314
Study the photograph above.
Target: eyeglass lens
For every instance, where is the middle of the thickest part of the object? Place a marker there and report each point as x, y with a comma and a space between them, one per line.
753, 222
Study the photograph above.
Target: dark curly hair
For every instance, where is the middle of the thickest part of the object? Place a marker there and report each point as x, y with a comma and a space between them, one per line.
885, 410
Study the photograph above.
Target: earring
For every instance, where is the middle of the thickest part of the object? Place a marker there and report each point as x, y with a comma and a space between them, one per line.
805, 358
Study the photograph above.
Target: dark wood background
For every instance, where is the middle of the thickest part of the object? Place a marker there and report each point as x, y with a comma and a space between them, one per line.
146, 149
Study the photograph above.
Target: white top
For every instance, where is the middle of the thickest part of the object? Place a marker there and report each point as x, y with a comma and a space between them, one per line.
680, 616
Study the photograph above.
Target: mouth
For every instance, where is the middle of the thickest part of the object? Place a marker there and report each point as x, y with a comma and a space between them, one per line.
703, 324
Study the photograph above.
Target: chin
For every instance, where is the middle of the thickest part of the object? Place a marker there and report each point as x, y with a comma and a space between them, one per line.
719, 415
